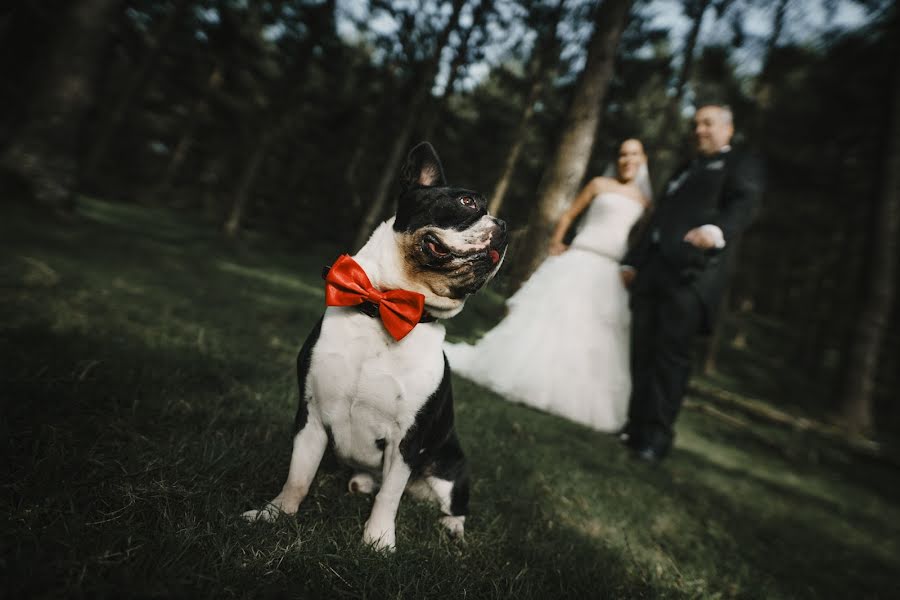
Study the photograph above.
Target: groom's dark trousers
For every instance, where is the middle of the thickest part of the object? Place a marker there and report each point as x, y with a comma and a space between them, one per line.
678, 287
665, 317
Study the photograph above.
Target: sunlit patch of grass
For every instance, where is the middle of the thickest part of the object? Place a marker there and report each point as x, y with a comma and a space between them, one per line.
286, 283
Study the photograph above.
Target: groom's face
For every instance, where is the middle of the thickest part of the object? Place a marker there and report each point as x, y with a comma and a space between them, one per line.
712, 129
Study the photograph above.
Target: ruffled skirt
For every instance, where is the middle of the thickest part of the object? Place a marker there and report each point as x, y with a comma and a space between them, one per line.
564, 345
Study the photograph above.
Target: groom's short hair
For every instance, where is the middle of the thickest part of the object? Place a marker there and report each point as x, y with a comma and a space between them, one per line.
727, 113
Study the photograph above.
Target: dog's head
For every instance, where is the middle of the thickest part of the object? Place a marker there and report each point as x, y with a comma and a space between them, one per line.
449, 244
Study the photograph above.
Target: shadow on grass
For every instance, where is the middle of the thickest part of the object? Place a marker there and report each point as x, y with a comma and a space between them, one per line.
808, 546
806, 453
129, 473
149, 392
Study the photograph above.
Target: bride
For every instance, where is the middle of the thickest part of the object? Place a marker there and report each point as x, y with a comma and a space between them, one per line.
564, 345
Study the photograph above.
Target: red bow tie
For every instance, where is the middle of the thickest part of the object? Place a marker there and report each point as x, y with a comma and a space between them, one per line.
346, 284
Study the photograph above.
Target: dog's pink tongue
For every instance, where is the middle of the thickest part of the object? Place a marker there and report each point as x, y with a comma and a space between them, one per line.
495, 256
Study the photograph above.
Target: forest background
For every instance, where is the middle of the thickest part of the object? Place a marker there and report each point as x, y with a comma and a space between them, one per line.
290, 118
174, 175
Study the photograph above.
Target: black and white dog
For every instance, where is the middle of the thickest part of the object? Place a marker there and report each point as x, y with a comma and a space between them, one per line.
387, 405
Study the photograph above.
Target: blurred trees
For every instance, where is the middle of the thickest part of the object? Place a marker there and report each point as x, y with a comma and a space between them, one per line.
422, 79
879, 285
288, 117
807, 261
540, 69
566, 170
133, 85
45, 150
671, 133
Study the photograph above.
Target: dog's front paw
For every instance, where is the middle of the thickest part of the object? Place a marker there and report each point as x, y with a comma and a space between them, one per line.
269, 512
380, 537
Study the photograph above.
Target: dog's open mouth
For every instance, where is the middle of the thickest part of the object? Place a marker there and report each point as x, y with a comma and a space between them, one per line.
437, 250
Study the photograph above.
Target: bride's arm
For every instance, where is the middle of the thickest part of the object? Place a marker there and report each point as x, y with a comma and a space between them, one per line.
581, 202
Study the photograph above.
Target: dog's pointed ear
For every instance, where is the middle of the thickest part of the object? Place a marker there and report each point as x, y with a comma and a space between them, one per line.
423, 167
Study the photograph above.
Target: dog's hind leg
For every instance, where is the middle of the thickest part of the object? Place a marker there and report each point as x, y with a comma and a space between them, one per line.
449, 484
309, 446
453, 499
362, 483
451, 496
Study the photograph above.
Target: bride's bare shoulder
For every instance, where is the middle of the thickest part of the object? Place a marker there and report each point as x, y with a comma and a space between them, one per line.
602, 184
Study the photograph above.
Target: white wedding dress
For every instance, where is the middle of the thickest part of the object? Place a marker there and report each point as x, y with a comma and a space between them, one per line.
564, 345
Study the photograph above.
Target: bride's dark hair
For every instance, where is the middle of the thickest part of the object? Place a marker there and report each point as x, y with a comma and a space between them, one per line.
639, 229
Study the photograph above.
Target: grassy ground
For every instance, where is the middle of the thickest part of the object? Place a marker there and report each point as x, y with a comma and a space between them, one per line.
148, 392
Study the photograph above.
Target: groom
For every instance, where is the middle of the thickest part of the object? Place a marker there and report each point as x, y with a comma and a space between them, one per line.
677, 274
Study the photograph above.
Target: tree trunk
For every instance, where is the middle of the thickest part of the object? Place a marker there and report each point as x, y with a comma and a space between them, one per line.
818, 316
509, 166
670, 132
245, 183
45, 152
402, 138
777, 28
133, 87
545, 60
186, 141
762, 87
561, 179
696, 12
715, 339
274, 118
479, 13
859, 382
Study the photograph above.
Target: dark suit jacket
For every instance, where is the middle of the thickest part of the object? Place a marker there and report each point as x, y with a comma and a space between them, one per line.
721, 190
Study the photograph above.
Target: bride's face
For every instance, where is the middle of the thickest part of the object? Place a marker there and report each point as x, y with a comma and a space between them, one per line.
631, 157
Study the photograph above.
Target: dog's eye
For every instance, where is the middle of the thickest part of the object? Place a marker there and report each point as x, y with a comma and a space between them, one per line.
468, 202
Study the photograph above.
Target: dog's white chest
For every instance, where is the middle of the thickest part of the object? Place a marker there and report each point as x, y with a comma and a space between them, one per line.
367, 387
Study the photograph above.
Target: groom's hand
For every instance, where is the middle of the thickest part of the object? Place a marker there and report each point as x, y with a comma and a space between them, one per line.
705, 237
627, 276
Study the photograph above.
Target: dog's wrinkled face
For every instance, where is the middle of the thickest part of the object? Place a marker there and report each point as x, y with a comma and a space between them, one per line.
451, 246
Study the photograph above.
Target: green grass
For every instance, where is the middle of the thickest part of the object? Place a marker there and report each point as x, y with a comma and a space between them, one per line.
148, 393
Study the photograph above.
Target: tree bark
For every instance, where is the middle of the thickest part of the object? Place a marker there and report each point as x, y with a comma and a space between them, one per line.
777, 28
669, 133
544, 62
561, 179
186, 141
273, 120
509, 165
715, 339
696, 10
402, 138
45, 152
135, 84
865, 350
762, 87
479, 13
245, 183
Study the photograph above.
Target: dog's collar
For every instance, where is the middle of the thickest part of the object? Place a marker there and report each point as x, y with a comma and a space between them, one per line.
371, 309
